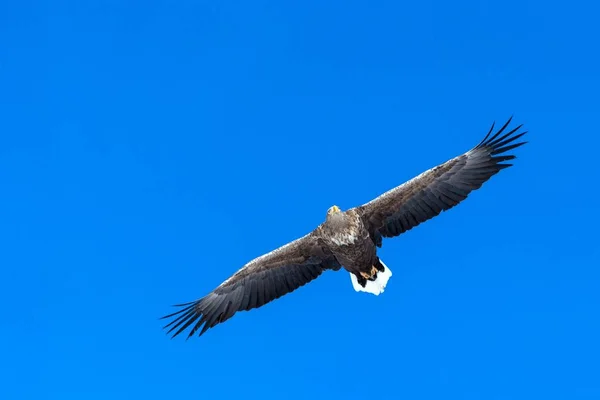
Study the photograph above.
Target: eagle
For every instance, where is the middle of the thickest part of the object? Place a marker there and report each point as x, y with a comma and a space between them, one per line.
350, 239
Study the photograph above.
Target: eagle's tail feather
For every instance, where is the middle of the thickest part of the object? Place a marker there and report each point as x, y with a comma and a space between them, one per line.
375, 286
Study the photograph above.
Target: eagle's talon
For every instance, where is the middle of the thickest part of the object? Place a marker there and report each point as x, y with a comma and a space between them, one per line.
371, 275
361, 281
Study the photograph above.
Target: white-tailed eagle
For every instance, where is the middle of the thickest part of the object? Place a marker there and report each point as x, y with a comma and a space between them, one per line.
349, 239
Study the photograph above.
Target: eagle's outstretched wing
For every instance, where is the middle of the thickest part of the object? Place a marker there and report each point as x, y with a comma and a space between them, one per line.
440, 188
260, 281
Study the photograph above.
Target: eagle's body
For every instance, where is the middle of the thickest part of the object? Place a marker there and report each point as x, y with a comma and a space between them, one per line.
350, 238
347, 237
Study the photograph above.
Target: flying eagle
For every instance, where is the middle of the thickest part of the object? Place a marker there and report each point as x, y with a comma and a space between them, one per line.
349, 239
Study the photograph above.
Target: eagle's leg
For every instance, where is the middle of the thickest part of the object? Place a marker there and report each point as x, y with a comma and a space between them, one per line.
373, 281
361, 281
379, 265
371, 275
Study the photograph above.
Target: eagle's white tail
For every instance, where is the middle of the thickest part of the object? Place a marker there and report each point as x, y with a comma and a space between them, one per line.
375, 287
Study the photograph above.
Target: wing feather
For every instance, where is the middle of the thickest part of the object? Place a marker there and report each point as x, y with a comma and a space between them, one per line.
440, 188
257, 283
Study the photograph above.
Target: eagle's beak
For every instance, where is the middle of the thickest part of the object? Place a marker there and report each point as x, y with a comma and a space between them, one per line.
335, 209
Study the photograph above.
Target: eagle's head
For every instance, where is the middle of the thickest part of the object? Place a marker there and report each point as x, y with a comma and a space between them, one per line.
333, 210
338, 221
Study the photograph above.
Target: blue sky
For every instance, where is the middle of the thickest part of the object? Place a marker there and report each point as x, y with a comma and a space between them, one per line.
150, 149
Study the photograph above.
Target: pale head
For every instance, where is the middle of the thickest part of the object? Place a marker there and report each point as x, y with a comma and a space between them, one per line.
333, 210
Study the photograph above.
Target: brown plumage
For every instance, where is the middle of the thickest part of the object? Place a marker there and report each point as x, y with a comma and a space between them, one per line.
350, 239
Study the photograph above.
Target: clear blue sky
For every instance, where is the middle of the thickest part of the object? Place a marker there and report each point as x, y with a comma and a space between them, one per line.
149, 149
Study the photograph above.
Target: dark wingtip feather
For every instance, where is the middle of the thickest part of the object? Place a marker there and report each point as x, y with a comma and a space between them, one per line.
178, 311
496, 145
184, 317
209, 310
507, 148
488, 134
